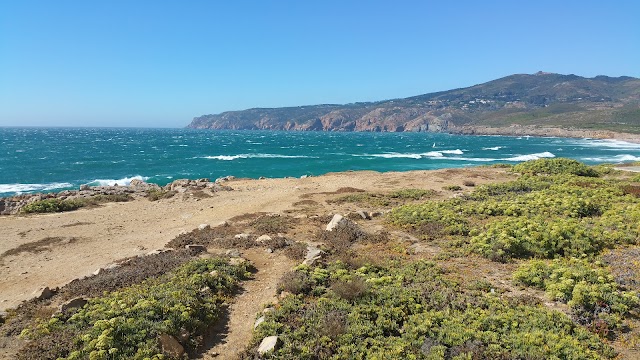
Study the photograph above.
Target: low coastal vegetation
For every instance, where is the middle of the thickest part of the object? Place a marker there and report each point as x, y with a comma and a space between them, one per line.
127, 323
414, 311
541, 266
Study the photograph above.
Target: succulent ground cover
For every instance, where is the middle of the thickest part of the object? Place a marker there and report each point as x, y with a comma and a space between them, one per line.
559, 226
126, 323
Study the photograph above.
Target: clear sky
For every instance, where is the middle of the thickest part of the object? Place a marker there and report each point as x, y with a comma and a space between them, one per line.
160, 63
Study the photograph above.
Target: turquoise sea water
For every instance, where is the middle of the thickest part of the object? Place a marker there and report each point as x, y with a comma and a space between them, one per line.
48, 159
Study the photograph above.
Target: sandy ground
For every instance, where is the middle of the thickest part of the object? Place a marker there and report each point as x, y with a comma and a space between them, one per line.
92, 238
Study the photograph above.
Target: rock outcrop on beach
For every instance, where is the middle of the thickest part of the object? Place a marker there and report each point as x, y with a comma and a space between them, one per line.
599, 104
137, 188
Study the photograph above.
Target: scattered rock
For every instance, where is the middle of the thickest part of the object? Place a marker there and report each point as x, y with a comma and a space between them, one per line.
269, 250
373, 214
261, 178
3, 317
214, 273
203, 226
170, 346
363, 215
84, 187
73, 304
233, 253
242, 236
268, 310
263, 238
336, 221
259, 321
268, 344
313, 254
304, 176
43, 293
196, 247
284, 294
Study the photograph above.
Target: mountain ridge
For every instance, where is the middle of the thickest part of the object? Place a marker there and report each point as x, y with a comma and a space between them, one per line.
546, 100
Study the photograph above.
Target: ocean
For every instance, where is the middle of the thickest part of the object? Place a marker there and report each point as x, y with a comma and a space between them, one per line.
53, 159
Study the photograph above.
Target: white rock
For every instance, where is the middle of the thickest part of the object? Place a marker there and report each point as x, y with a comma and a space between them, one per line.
262, 238
268, 344
335, 221
203, 226
313, 254
241, 236
259, 321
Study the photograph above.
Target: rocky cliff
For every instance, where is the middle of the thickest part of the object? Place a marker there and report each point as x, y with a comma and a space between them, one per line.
541, 99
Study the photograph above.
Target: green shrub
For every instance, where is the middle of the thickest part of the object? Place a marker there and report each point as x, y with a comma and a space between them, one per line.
125, 324
587, 286
51, 206
539, 237
555, 166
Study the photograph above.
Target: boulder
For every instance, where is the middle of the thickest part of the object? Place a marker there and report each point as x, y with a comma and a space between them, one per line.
84, 187
268, 344
170, 346
43, 293
73, 304
336, 221
313, 254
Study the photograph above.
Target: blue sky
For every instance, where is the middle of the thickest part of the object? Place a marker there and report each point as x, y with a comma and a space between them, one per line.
160, 63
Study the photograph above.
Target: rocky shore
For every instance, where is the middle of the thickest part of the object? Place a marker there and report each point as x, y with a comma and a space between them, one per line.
136, 189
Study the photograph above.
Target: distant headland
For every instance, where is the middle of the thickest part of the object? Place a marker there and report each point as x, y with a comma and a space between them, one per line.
540, 104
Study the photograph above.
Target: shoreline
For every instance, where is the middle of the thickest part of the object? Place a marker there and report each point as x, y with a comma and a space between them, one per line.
544, 131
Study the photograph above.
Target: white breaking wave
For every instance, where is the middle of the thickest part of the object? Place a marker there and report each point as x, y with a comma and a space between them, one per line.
21, 188
122, 182
608, 143
616, 158
495, 148
430, 154
255, 156
535, 156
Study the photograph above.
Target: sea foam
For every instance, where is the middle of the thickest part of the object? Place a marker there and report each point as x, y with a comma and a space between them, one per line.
254, 156
21, 188
614, 159
122, 182
528, 157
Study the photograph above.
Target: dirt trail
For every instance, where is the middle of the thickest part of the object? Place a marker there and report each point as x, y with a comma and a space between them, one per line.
237, 330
